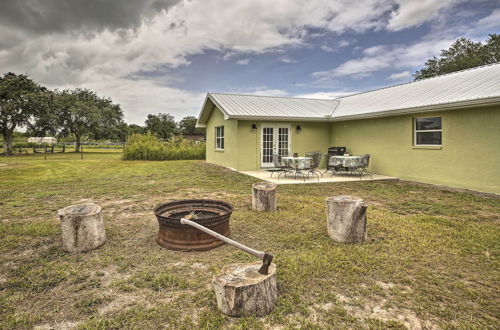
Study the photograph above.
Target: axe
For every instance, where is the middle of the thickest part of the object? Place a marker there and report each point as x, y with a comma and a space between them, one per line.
265, 257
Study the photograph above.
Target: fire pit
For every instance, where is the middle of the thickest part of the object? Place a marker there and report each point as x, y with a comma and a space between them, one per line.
212, 214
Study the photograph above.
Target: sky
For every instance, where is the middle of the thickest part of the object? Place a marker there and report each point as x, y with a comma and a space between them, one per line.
153, 56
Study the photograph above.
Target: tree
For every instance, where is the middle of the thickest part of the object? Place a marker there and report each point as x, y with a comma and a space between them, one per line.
187, 125
21, 101
162, 124
136, 129
82, 113
462, 54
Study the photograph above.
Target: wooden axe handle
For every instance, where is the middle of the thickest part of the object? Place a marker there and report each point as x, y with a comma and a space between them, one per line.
258, 254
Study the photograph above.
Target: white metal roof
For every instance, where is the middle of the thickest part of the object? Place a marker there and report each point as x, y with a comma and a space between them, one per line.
465, 88
236, 105
468, 85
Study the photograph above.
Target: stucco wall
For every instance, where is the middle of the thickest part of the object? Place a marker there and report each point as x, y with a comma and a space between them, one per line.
228, 156
469, 157
313, 137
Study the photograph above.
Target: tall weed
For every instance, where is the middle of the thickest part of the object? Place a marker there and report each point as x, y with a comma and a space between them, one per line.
149, 147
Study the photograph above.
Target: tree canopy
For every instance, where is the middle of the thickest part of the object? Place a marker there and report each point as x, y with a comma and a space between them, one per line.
162, 124
82, 112
21, 101
462, 54
187, 125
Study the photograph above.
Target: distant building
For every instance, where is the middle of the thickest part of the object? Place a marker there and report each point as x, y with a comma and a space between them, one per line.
194, 137
40, 140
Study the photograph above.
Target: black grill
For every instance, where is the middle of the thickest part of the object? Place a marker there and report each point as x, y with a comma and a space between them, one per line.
335, 151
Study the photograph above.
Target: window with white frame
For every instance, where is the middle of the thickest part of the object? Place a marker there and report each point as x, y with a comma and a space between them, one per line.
428, 131
219, 137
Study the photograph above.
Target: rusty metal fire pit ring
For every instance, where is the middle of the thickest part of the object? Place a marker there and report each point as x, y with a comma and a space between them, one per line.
213, 214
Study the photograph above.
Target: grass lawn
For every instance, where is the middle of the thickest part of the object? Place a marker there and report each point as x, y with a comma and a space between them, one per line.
431, 259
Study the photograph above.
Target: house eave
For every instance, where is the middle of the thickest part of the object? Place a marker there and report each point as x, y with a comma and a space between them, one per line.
279, 118
428, 108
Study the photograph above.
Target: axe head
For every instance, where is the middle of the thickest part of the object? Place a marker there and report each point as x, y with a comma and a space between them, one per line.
266, 262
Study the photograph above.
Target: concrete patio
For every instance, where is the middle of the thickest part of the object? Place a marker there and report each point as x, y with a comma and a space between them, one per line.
265, 175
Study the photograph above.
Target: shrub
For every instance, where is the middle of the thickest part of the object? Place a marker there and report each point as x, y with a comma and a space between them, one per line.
148, 147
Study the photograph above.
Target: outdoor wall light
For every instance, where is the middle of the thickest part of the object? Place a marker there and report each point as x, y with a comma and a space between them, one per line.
299, 129
254, 127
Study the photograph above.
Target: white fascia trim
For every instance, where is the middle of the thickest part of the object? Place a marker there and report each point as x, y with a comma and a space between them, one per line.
282, 118
428, 108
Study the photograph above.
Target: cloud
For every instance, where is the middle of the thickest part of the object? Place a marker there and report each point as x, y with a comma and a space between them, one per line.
400, 76
327, 48
338, 45
287, 60
244, 61
384, 57
411, 13
490, 21
269, 92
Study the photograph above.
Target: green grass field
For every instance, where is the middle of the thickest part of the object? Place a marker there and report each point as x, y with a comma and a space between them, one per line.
431, 259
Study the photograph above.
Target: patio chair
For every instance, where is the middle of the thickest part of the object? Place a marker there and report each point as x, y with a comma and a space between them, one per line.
364, 165
336, 167
278, 167
316, 159
354, 166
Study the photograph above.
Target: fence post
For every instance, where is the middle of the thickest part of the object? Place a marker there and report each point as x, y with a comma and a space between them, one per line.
45, 154
81, 152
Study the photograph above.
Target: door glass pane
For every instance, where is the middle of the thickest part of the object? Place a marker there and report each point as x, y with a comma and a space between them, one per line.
283, 141
267, 144
428, 123
429, 138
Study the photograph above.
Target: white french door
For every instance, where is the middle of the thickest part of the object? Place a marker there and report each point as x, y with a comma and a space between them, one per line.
275, 139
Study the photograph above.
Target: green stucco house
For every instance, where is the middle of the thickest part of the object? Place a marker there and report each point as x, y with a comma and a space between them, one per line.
443, 130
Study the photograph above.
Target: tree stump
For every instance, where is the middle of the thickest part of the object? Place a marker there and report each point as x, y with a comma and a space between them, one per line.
242, 291
346, 219
82, 227
264, 197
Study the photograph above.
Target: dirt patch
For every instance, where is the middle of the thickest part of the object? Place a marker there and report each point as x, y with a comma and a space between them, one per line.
374, 308
385, 286
122, 301
65, 325
110, 274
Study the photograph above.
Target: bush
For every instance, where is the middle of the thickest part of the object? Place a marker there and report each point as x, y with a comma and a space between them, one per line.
148, 147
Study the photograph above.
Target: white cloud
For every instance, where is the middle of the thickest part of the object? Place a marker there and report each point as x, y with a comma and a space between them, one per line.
414, 13
345, 43
287, 60
244, 61
340, 44
269, 92
327, 48
400, 75
383, 57
490, 21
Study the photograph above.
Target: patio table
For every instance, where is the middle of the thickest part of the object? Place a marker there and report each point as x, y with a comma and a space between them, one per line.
348, 162
298, 164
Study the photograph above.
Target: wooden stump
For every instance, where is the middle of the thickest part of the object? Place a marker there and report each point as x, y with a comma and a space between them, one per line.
82, 227
346, 219
242, 291
264, 197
